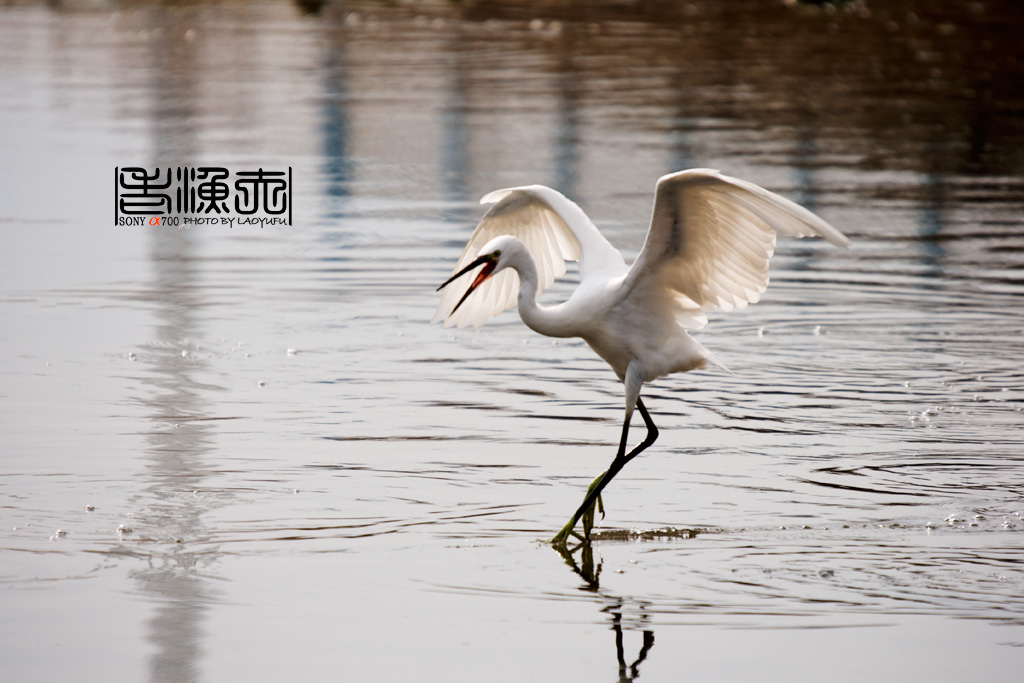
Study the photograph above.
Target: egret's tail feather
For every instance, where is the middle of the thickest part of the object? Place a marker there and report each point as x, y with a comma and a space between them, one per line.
713, 361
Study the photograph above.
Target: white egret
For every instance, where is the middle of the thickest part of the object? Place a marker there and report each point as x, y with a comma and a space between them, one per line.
708, 247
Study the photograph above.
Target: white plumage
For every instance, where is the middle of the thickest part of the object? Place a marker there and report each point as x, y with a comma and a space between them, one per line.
708, 247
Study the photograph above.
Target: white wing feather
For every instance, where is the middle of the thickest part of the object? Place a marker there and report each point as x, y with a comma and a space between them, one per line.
710, 241
552, 227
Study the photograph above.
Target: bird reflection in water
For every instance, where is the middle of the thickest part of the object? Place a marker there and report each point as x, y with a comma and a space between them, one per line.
590, 571
629, 672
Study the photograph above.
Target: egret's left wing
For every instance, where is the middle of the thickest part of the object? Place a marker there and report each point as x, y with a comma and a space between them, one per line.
538, 217
710, 241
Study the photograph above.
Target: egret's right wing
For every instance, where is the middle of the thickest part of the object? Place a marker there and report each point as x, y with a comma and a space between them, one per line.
551, 227
710, 241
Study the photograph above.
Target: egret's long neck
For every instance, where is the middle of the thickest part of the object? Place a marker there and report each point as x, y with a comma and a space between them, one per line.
538, 318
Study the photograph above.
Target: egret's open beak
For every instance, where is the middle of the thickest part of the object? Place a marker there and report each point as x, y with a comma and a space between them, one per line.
489, 262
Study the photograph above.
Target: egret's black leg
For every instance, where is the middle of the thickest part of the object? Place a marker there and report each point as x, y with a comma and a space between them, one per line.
621, 458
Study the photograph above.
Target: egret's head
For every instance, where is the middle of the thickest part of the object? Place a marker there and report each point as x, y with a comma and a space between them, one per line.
493, 258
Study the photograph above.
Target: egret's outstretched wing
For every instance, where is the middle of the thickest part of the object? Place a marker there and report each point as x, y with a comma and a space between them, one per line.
710, 240
552, 227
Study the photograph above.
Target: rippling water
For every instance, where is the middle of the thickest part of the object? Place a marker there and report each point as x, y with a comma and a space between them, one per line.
243, 453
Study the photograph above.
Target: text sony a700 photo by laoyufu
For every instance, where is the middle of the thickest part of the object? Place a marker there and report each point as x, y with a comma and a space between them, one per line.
202, 195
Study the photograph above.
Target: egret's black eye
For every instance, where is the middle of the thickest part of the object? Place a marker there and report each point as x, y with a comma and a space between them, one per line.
497, 253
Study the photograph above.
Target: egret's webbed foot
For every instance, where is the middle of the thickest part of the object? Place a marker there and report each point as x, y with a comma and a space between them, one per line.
587, 516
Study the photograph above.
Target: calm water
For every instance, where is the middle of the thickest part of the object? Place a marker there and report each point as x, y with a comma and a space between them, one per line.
243, 454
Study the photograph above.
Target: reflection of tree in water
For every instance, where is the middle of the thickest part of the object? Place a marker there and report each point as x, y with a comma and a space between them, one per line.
175, 627
173, 486
590, 571
926, 75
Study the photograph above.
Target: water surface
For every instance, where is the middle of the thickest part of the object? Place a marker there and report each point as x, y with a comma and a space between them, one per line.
244, 454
